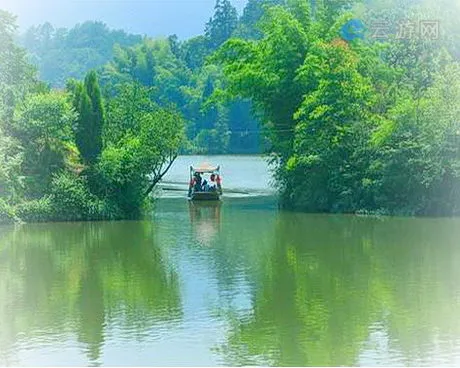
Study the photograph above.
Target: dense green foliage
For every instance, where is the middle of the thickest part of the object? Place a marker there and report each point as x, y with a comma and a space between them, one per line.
213, 125
366, 125
87, 102
59, 156
177, 69
183, 75
142, 142
42, 124
253, 12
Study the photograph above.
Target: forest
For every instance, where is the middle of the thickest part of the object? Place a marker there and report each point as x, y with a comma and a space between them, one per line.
175, 70
92, 118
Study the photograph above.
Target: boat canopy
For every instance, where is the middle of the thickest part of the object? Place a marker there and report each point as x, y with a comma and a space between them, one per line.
205, 168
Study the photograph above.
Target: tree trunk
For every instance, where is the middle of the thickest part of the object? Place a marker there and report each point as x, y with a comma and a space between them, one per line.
159, 177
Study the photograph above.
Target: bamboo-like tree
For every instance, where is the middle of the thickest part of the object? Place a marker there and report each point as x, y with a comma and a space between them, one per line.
88, 103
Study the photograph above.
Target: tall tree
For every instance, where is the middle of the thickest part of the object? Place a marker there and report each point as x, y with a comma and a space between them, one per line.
16, 74
266, 72
252, 13
222, 25
88, 103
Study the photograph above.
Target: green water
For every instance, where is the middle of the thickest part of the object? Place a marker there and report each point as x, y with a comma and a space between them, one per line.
236, 284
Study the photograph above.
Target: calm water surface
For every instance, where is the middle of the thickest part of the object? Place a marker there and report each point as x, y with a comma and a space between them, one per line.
237, 284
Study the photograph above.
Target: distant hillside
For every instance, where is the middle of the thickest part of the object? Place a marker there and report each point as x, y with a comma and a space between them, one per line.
63, 53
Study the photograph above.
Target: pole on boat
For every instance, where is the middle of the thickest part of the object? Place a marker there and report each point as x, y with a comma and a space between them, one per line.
190, 185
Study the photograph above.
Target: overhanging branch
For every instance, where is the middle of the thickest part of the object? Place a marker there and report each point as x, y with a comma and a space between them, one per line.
160, 175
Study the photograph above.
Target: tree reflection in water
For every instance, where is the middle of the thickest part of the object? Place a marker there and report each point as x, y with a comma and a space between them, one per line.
278, 288
330, 280
75, 279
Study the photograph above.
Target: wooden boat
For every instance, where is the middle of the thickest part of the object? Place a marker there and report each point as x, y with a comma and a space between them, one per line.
197, 190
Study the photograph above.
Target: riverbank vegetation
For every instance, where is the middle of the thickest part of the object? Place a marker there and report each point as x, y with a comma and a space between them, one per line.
354, 124
71, 154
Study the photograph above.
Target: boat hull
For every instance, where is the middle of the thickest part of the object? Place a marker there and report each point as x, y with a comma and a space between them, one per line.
205, 196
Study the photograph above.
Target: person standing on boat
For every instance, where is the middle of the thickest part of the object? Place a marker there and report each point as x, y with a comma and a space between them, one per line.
197, 182
219, 183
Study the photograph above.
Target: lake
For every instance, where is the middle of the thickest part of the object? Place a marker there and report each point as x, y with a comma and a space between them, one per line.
240, 283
